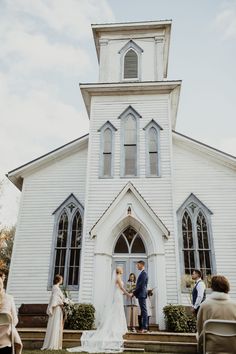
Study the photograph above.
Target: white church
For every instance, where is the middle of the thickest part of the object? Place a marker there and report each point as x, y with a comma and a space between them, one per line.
132, 189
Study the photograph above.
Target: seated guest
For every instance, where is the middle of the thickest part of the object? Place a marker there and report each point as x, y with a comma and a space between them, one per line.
7, 305
218, 306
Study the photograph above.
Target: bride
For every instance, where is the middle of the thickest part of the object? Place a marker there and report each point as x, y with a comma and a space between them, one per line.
109, 335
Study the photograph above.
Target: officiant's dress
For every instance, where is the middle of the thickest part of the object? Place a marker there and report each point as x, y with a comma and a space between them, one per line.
109, 335
54, 333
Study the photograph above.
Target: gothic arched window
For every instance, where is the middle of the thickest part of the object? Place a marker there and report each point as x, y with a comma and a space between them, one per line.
61, 245
152, 148
129, 242
107, 150
67, 250
195, 237
129, 142
130, 145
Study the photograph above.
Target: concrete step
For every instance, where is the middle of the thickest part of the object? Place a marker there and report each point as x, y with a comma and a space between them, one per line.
163, 347
39, 333
161, 342
134, 350
162, 337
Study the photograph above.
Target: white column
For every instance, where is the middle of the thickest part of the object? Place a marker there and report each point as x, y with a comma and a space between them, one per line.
102, 282
159, 58
161, 289
103, 65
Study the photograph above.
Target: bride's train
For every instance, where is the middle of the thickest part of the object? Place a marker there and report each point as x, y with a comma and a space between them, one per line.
109, 335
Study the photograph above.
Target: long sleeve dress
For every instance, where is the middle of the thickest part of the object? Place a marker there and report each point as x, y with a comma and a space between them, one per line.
8, 306
54, 333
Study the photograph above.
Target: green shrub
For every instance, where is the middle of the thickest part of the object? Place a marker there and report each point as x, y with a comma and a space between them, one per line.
177, 319
80, 316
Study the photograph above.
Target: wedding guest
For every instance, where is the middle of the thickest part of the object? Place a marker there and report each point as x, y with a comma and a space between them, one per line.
132, 307
217, 306
7, 305
199, 290
149, 305
54, 332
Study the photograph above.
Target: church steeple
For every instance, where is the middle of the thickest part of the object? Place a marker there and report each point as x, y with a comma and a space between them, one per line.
136, 51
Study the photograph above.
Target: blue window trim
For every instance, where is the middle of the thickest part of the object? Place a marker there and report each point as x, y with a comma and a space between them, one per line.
113, 129
123, 116
66, 206
158, 128
138, 50
193, 206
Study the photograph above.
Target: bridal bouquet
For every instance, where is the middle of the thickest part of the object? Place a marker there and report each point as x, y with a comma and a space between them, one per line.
68, 306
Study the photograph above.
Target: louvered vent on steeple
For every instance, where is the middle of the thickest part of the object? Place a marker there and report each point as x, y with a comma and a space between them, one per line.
131, 65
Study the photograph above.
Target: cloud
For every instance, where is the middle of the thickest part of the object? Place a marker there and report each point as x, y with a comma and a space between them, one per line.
68, 17
225, 21
45, 51
35, 52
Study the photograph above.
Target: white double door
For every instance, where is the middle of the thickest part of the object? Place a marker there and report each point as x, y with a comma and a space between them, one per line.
129, 265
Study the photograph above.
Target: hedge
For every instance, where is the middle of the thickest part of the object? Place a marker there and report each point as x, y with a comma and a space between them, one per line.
178, 320
80, 316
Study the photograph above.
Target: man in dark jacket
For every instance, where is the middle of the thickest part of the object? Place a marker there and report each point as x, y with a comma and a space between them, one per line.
140, 293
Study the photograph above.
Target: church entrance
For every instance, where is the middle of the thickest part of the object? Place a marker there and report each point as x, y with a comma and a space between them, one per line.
129, 249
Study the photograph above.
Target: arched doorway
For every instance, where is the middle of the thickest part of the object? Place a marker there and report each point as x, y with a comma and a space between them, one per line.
128, 250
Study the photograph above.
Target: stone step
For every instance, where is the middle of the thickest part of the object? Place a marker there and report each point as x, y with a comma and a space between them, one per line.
39, 333
162, 337
134, 350
161, 342
163, 347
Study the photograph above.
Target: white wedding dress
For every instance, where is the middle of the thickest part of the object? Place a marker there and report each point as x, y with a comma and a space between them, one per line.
108, 338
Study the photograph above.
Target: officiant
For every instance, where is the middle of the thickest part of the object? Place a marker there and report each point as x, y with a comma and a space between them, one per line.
132, 304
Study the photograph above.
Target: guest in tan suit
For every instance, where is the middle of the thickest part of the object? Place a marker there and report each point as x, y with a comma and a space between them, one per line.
7, 305
54, 333
217, 306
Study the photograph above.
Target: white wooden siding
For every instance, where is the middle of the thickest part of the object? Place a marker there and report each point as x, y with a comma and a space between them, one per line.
215, 185
43, 191
156, 191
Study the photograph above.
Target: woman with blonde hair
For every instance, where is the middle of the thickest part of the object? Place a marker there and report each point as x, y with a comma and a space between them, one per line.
54, 333
108, 338
7, 305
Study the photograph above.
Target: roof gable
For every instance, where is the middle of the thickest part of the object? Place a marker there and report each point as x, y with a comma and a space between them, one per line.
130, 188
16, 176
131, 45
216, 154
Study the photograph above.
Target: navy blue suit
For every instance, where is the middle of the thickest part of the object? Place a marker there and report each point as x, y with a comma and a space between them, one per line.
140, 293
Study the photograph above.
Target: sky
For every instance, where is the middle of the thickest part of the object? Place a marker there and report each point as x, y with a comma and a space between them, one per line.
47, 49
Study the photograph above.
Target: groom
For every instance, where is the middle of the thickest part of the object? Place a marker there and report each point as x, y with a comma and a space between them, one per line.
140, 293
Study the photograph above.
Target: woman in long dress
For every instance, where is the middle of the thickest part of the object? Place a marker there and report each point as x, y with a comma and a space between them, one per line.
132, 304
109, 335
54, 332
7, 305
